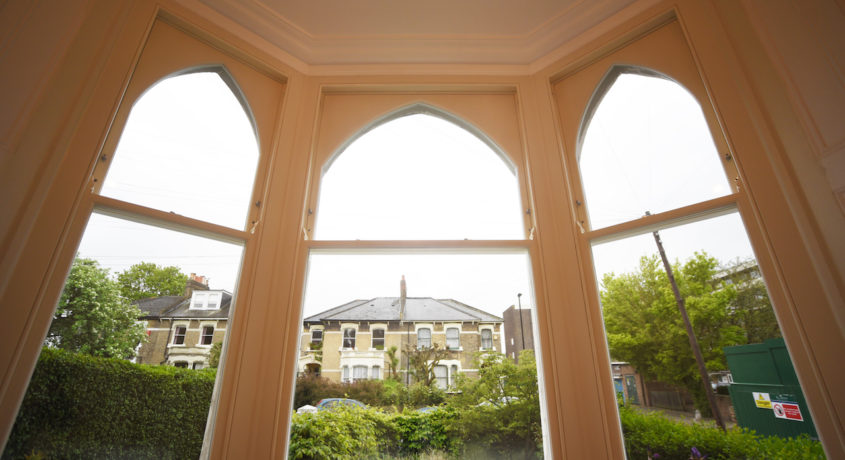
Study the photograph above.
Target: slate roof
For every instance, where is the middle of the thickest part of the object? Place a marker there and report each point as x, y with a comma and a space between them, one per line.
179, 307
416, 309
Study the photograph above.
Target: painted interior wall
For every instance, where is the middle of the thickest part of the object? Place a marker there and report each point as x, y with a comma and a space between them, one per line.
773, 73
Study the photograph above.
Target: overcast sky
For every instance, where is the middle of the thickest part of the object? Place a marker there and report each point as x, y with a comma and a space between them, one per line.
417, 177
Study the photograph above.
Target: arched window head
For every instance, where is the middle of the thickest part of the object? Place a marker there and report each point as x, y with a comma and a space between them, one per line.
645, 146
188, 147
419, 177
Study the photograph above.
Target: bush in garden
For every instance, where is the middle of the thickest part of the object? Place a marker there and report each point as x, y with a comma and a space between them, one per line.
649, 434
79, 406
341, 433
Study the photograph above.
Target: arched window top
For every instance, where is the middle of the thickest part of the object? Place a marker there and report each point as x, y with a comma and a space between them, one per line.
189, 147
645, 146
414, 176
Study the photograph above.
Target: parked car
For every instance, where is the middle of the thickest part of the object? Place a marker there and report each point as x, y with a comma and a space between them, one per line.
332, 403
307, 409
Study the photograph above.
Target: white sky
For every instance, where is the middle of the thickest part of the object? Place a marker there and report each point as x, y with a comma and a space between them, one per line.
416, 177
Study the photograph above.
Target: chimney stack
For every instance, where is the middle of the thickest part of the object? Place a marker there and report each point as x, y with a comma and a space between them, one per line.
403, 295
195, 283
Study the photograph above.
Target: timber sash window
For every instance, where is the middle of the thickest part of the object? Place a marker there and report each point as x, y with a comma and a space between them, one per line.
378, 339
349, 338
424, 337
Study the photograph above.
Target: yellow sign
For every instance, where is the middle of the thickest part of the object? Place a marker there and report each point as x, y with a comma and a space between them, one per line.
762, 400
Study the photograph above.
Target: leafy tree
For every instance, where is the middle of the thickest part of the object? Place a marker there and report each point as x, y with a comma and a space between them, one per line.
392, 361
92, 317
645, 328
500, 409
147, 279
423, 360
751, 310
214, 354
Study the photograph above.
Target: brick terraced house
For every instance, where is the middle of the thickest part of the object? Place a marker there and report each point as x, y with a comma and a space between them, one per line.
182, 329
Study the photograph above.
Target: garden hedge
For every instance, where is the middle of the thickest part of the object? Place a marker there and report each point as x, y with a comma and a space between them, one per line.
78, 406
655, 436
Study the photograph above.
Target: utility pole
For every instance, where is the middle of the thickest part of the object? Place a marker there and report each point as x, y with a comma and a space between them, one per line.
521, 327
702, 369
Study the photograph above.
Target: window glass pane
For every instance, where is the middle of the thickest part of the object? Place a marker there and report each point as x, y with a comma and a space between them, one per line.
486, 339
453, 338
731, 315
188, 147
441, 374
424, 337
647, 148
127, 306
359, 373
419, 177
378, 339
349, 338
316, 336
376, 373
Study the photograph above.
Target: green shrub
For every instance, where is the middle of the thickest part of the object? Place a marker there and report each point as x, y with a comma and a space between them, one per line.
78, 406
648, 434
341, 433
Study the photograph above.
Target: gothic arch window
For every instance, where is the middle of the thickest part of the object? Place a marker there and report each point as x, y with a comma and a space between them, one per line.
418, 174
645, 146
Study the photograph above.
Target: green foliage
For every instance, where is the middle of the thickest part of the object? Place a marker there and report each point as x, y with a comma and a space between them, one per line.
423, 360
499, 412
392, 362
214, 355
92, 318
342, 433
79, 406
649, 434
645, 328
147, 279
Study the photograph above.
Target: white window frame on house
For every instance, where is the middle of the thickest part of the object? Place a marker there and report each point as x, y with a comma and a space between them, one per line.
373, 338
176, 334
203, 328
481, 338
202, 300
360, 372
441, 381
319, 329
428, 339
346, 340
376, 373
452, 327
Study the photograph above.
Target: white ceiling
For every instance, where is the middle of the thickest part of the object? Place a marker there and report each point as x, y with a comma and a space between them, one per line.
403, 31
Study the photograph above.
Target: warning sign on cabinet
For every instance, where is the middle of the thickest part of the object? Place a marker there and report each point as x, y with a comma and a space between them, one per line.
762, 400
787, 410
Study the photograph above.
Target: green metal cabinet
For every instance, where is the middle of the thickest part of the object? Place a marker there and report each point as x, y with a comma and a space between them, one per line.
763, 372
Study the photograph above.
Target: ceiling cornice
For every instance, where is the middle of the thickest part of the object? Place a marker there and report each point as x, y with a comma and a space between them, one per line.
385, 48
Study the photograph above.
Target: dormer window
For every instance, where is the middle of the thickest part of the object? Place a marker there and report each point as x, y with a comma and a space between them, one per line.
206, 300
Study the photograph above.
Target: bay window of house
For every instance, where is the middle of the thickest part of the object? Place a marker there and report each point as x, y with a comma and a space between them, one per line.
172, 186
658, 185
359, 373
420, 197
441, 375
